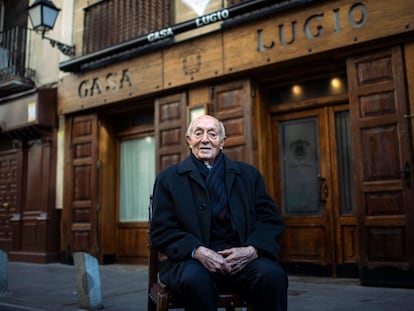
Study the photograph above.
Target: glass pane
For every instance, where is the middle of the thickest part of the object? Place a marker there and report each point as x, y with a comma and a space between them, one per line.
137, 175
327, 86
188, 9
300, 167
50, 16
346, 186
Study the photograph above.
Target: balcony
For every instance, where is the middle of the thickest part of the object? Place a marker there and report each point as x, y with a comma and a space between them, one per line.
14, 76
116, 30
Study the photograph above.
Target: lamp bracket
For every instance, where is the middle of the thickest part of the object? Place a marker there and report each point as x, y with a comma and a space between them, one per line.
68, 50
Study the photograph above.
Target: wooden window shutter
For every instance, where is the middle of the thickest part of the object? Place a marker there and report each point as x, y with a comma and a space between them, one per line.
170, 127
381, 156
232, 104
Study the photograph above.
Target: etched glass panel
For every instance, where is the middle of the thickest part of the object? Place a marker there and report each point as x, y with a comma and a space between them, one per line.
300, 167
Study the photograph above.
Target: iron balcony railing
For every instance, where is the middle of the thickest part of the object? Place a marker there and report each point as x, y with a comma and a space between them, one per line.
108, 23
13, 55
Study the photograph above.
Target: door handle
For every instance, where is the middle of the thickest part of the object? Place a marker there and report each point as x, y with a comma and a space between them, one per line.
323, 189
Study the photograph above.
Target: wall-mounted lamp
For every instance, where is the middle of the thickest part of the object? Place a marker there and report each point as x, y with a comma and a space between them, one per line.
43, 15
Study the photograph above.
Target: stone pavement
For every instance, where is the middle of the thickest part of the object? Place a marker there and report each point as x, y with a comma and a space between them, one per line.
52, 287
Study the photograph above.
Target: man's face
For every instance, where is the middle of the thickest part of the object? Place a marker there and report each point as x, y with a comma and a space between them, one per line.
205, 138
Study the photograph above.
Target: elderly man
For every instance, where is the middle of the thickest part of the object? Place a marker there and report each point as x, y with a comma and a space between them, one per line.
217, 225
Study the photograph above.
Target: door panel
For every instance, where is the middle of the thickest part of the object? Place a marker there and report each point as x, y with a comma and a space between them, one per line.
232, 104
81, 189
304, 183
170, 127
383, 167
301, 167
343, 193
39, 219
136, 179
313, 173
10, 194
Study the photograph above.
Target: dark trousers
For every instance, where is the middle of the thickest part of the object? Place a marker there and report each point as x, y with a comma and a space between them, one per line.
263, 282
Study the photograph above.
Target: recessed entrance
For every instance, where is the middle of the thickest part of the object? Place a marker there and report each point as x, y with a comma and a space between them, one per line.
313, 176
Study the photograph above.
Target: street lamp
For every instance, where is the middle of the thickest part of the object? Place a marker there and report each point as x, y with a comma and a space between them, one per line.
43, 15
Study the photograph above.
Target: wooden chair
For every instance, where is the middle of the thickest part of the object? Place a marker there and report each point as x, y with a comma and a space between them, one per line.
160, 298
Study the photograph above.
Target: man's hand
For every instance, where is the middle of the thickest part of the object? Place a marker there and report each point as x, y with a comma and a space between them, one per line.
212, 261
239, 257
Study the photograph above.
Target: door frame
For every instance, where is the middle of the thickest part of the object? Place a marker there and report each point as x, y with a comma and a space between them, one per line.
340, 229
311, 224
130, 235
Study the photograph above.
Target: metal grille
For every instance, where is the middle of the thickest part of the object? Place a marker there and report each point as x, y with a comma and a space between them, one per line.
13, 54
13, 39
111, 22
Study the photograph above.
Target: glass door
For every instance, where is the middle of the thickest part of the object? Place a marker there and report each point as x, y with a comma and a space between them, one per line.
313, 175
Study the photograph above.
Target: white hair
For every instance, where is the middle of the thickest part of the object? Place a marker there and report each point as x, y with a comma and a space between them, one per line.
191, 126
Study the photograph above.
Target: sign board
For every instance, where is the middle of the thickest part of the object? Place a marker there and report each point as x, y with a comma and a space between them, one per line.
297, 33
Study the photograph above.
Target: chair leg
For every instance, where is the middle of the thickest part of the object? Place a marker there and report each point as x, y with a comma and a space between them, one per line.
162, 304
151, 306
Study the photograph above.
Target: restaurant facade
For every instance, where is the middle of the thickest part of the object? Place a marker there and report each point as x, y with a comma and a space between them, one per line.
319, 95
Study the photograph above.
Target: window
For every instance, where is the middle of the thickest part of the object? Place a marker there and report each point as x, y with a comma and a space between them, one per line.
108, 23
327, 86
137, 175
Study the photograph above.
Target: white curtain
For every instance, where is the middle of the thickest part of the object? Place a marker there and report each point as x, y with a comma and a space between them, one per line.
137, 175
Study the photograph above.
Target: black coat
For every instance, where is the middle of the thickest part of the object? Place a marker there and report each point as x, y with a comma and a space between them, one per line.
182, 213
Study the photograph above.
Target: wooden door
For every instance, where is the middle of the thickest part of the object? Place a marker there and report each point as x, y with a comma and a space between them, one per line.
10, 196
312, 179
383, 167
80, 212
344, 210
